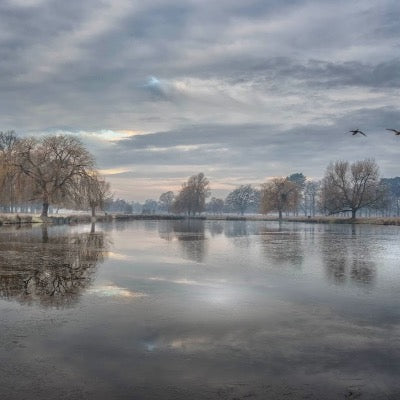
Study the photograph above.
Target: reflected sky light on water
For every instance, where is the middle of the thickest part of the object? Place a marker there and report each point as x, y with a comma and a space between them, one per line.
200, 310
115, 291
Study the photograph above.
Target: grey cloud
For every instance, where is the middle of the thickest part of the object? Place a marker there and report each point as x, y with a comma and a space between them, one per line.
385, 74
251, 87
255, 152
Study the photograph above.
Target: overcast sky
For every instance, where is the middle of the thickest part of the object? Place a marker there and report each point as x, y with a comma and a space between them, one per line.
241, 90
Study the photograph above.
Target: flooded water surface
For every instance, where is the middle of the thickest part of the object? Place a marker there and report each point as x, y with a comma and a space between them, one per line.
200, 310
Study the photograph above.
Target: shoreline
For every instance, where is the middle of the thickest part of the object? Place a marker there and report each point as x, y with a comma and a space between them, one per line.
23, 219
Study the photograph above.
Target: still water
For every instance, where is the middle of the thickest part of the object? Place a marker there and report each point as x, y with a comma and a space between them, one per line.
200, 310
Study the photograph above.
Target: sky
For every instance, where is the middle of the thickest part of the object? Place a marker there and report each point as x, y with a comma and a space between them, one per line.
240, 90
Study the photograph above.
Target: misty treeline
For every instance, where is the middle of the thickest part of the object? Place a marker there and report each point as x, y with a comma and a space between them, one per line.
347, 189
53, 170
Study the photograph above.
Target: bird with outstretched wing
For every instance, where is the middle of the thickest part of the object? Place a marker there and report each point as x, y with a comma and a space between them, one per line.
396, 132
356, 131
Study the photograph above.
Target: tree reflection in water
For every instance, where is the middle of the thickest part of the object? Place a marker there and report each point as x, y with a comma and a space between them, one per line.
43, 266
190, 234
282, 247
347, 257
216, 228
236, 229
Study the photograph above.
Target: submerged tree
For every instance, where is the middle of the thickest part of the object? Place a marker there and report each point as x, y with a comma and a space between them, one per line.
279, 194
192, 197
349, 187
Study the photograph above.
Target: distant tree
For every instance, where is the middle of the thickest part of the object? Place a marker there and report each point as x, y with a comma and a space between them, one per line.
192, 197
350, 187
53, 164
215, 205
256, 205
150, 206
136, 207
310, 197
383, 205
166, 201
393, 191
240, 199
118, 206
300, 180
279, 194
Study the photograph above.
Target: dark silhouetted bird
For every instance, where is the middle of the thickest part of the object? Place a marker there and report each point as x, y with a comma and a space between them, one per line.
355, 131
396, 132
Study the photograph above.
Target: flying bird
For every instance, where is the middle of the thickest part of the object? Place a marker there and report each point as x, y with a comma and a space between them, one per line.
396, 132
355, 131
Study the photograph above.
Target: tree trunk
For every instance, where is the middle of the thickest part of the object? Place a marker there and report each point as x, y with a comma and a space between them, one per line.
280, 215
45, 209
45, 234
353, 213
93, 212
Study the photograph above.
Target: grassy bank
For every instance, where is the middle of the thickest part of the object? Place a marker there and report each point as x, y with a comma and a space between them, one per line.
12, 219
315, 220
6, 219
333, 220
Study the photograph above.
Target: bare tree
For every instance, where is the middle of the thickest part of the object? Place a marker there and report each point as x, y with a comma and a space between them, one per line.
8, 172
393, 189
349, 187
166, 201
279, 194
311, 191
300, 180
192, 197
91, 191
215, 205
121, 206
241, 199
53, 163
150, 206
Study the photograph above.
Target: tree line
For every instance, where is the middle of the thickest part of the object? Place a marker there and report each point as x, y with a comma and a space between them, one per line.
346, 188
49, 170
57, 170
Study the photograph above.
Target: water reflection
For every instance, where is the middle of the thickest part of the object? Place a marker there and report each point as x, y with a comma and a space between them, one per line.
44, 266
236, 228
282, 247
166, 230
189, 233
216, 228
159, 327
347, 257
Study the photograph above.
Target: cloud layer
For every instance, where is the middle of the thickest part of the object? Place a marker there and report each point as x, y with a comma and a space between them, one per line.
241, 91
